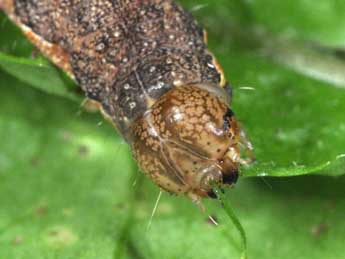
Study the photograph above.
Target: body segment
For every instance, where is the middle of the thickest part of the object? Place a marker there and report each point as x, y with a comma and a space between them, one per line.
124, 54
144, 62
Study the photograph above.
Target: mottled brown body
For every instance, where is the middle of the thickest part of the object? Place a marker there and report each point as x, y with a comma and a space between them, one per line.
142, 60
183, 140
124, 54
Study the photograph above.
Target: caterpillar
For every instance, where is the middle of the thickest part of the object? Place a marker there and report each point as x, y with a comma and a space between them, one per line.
146, 65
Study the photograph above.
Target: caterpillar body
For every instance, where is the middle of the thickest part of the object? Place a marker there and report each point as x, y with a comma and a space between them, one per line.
146, 65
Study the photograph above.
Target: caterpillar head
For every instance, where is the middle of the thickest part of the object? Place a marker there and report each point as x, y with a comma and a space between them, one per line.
188, 139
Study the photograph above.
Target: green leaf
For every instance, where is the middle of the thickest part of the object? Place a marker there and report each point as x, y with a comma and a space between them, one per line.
305, 19
16, 59
69, 188
322, 22
296, 124
232, 216
64, 177
39, 74
13, 43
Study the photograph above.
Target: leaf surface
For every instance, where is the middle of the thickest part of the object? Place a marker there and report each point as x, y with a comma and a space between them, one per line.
69, 188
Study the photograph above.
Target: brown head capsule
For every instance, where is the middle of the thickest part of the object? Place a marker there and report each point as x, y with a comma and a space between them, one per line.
188, 139
147, 67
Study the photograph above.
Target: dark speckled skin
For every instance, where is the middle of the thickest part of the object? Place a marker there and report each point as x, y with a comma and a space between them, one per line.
124, 54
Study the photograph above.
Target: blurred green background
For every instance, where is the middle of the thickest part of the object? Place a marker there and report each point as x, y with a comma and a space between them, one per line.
70, 189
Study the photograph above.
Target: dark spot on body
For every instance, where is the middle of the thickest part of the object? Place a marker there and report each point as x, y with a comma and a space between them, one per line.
227, 119
230, 178
211, 194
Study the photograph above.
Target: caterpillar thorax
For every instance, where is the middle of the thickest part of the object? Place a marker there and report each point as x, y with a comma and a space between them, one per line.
146, 63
